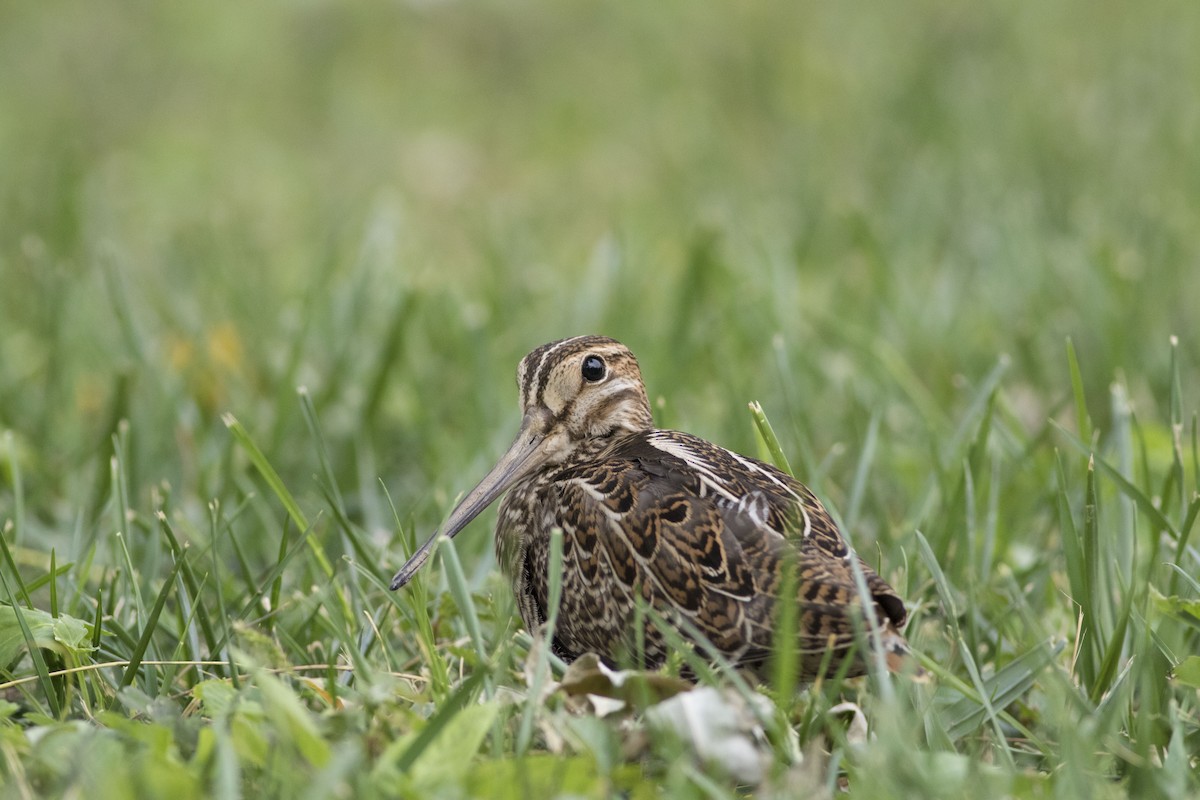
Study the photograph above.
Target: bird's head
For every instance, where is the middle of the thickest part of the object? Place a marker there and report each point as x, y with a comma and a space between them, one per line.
574, 392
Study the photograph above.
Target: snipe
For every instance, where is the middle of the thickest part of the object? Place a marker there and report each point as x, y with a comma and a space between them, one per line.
698, 532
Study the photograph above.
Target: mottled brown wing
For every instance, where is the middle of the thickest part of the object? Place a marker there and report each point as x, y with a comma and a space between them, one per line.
628, 534
792, 509
698, 531
759, 495
827, 596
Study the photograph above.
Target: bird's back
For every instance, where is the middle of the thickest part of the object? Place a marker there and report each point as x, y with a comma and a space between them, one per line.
698, 533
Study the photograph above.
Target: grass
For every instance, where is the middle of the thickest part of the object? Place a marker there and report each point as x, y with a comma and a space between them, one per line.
266, 273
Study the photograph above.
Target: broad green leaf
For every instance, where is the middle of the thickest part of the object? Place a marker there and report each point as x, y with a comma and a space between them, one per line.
215, 696
1188, 672
548, 775
406, 751
457, 744
1175, 606
67, 636
249, 739
292, 719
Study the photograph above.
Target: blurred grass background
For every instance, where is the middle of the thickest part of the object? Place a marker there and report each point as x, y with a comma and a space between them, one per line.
852, 214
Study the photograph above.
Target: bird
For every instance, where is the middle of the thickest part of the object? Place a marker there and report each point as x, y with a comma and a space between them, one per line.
670, 522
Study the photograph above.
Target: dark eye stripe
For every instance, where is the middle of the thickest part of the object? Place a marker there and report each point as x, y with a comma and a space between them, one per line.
540, 363
545, 365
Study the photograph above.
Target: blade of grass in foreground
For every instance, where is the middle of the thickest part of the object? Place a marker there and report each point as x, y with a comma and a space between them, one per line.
415, 606
785, 657
1081, 413
940, 581
977, 419
456, 702
148, 628
191, 582
242, 436
119, 480
12, 565
273, 480
877, 666
1185, 532
271, 579
767, 436
1144, 503
1077, 580
1113, 650
542, 668
866, 459
35, 652
221, 649
309, 413
1176, 474
387, 358
329, 484
53, 576
18, 491
1094, 574
1010, 682
457, 581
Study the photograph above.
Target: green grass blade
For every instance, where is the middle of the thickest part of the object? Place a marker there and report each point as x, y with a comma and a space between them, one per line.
875, 656
388, 354
457, 581
267, 582
18, 489
149, 626
766, 435
1196, 453
858, 488
1097, 586
940, 582
314, 429
97, 630
1078, 579
260, 462
414, 603
1113, 650
121, 509
52, 575
986, 705
1144, 503
276, 583
1185, 533
1175, 418
1188, 578
12, 566
49, 691
964, 716
785, 655
1081, 414
465, 694
190, 581
977, 419
554, 576
221, 646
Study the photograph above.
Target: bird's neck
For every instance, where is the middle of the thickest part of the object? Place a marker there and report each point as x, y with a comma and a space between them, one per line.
596, 446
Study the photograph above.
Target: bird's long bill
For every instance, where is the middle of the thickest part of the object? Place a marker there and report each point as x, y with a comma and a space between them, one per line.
523, 456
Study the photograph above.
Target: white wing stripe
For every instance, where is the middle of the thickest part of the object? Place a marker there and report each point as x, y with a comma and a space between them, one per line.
693, 459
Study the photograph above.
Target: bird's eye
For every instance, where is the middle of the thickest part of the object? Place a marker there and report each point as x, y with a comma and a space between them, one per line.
593, 369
